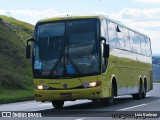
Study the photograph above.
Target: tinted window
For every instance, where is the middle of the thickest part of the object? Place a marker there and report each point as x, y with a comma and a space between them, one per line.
104, 29
112, 35
126, 39
120, 37
148, 47
104, 33
49, 30
51, 37
137, 43
131, 35
143, 45
67, 48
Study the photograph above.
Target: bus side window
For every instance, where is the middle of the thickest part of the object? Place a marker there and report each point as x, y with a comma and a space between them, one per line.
104, 33
104, 29
148, 47
120, 37
112, 35
143, 45
137, 43
131, 35
126, 39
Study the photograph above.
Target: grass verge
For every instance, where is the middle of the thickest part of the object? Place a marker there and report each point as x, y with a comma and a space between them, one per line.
16, 95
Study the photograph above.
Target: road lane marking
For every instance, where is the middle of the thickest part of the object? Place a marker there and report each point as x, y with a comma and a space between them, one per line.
81, 119
131, 107
45, 104
15, 105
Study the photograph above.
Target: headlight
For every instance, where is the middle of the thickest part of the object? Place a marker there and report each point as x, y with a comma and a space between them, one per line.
41, 87
91, 84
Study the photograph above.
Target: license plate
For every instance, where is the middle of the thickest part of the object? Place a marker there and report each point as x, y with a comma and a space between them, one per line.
65, 95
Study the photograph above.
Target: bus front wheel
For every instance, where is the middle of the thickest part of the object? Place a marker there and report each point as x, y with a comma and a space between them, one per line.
58, 104
110, 100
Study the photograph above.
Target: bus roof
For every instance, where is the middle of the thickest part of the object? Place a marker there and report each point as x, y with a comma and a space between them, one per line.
68, 17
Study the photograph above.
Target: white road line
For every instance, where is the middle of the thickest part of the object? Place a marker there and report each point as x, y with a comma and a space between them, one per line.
39, 109
45, 104
131, 107
15, 105
81, 119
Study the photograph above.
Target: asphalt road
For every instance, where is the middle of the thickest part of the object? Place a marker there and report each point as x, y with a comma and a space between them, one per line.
87, 110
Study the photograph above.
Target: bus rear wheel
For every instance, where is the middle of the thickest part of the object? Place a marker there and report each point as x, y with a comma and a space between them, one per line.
144, 90
58, 104
139, 95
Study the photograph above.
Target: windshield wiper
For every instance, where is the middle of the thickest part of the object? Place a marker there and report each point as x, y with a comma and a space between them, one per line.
68, 57
54, 67
56, 64
59, 61
76, 68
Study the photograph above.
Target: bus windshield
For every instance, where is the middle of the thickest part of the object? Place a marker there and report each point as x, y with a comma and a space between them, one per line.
67, 49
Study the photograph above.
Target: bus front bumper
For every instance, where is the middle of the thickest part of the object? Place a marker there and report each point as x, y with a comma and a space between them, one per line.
66, 95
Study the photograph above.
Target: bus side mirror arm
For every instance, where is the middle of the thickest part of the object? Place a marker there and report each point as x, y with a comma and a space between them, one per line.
103, 38
28, 48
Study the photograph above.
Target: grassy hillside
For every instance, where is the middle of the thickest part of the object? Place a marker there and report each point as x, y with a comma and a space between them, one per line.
15, 69
156, 68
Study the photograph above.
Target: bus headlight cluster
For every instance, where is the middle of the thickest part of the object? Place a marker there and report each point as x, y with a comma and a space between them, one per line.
41, 87
91, 84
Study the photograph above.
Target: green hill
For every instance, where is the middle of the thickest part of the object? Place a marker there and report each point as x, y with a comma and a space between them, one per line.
156, 68
15, 69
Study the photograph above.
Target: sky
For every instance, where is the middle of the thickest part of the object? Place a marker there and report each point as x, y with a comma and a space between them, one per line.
141, 15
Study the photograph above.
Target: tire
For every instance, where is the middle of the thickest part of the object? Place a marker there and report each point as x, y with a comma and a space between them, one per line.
144, 90
138, 96
58, 104
110, 100
94, 100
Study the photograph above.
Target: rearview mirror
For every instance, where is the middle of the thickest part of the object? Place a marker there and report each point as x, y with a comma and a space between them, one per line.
28, 48
28, 51
117, 29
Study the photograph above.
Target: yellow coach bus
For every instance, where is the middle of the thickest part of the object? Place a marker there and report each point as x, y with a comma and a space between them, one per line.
89, 57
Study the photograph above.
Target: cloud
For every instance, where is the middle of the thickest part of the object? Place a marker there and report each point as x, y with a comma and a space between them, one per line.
146, 21
138, 14
147, 1
31, 13
32, 16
